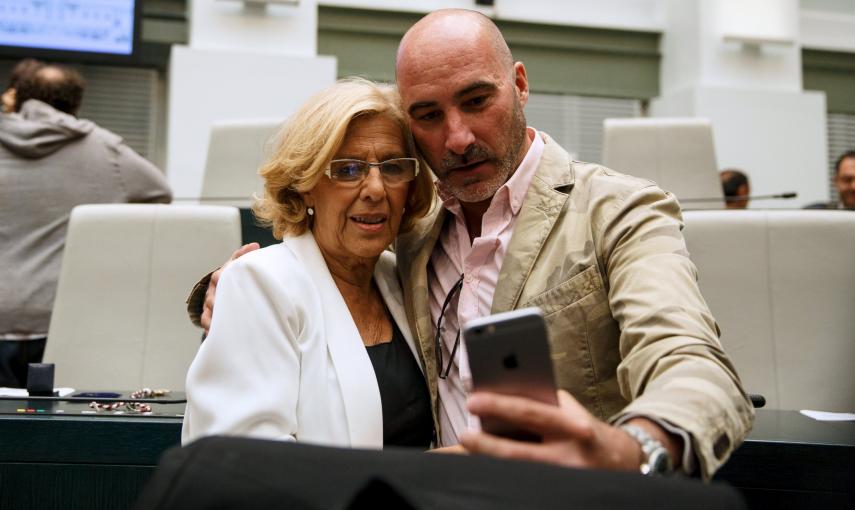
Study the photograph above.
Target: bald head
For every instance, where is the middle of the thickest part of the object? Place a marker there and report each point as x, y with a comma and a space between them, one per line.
59, 86
450, 30
464, 97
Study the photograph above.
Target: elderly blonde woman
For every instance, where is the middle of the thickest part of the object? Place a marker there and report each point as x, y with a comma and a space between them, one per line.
310, 340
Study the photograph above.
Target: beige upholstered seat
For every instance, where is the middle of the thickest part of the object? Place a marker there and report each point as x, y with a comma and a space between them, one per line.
678, 154
119, 319
781, 285
236, 150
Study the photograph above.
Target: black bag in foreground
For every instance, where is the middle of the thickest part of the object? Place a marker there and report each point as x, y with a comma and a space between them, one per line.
239, 473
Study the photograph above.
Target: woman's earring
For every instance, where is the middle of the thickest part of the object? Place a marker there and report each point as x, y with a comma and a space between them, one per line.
311, 211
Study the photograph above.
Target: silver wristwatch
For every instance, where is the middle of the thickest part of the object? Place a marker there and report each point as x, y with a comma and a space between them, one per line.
656, 461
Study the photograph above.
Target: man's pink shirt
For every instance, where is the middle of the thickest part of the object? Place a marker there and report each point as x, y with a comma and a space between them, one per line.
480, 262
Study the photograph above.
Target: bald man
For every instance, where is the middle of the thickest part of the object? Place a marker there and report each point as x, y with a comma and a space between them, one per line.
646, 385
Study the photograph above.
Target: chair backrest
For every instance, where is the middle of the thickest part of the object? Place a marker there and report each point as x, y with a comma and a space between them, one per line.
677, 153
119, 320
781, 285
236, 150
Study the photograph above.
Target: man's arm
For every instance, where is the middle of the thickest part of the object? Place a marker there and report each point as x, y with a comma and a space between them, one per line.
200, 302
673, 369
144, 182
673, 372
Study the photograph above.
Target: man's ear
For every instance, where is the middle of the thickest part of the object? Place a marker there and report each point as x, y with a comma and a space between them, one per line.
521, 82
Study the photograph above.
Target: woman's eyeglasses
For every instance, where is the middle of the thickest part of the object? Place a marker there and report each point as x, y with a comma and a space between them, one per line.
443, 374
352, 172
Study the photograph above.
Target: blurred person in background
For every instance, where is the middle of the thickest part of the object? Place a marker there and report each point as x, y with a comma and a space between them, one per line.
844, 181
50, 162
21, 69
736, 188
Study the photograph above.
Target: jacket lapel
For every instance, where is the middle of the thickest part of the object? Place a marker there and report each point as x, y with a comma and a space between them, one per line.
353, 368
540, 209
387, 281
413, 251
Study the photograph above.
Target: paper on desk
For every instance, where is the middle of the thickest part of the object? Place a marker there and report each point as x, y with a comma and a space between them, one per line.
826, 416
22, 392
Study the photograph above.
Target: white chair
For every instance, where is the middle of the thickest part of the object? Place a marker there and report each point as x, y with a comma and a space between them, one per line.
678, 154
119, 320
781, 285
236, 150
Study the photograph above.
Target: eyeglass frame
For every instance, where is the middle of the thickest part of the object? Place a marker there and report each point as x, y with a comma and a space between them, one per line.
379, 165
438, 336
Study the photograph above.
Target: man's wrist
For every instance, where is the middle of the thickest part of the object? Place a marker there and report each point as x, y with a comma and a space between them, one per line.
655, 459
673, 444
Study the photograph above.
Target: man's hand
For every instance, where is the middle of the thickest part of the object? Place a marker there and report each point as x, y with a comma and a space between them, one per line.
208, 307
571, 435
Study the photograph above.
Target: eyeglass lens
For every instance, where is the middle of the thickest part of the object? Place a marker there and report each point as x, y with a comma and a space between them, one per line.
394, 171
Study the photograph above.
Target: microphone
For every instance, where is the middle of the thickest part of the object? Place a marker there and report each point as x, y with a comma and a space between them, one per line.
785, 195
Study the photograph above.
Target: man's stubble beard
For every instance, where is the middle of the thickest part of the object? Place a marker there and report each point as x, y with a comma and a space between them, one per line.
505, 165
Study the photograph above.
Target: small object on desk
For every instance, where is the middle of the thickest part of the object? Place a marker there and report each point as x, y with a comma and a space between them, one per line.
97, 394
137, 407
40, 379
149, 393
827, 416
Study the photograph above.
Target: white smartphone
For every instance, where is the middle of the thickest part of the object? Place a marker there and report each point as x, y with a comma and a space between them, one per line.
509, 354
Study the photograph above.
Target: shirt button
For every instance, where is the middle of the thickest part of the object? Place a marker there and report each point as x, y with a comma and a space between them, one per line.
467, 278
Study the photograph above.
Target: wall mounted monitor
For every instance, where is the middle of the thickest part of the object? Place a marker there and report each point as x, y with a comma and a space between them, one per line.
70, 29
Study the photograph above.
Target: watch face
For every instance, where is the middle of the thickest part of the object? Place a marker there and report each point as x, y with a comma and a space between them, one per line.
659, 462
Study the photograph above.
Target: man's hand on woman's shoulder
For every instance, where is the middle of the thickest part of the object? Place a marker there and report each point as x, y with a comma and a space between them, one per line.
208, 306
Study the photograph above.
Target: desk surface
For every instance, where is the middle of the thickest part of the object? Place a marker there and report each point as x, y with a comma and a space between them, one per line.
792, 461
170, 407
776, 426
71, 432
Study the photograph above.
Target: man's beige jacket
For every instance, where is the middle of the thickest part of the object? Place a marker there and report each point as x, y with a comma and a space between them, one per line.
602, 255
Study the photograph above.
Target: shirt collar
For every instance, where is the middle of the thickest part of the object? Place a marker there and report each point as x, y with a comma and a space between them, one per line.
514, 190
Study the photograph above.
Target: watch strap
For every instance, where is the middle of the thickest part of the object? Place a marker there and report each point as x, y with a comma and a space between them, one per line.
657, 460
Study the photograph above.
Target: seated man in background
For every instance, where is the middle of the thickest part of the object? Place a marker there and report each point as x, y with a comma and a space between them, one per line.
736, 188
21, 69
844, 180
50, 162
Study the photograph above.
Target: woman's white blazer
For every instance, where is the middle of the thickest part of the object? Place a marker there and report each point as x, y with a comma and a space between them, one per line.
284, 359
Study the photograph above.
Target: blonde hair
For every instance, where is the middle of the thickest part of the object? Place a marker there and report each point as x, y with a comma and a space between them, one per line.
309, 140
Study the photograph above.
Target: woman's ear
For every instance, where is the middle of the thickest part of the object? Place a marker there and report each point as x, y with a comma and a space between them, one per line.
307, 199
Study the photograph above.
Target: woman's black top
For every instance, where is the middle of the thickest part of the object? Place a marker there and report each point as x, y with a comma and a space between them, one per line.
407, 420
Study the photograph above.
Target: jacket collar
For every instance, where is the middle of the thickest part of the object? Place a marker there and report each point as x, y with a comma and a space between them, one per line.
544, 201
360, 394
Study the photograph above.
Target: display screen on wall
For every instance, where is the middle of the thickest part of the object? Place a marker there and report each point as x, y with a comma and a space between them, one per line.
60, 28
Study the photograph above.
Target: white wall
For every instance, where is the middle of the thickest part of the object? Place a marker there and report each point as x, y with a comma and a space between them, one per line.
267, 28
243, 62
779, 138
828, 30
695, 51
213, 85
738, 63
626, 14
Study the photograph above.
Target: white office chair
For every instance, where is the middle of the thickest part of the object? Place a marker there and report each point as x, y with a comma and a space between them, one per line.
781, 285
119, 320
236, 150
678, 154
